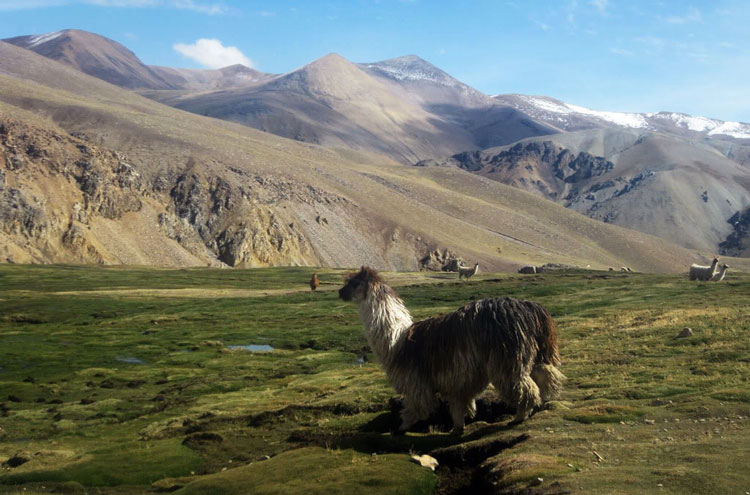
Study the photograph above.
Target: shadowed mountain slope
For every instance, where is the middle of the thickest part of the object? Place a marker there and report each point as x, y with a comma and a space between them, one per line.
657, 183
97, 173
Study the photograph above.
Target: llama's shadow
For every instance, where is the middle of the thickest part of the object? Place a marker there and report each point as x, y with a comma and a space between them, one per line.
380, 434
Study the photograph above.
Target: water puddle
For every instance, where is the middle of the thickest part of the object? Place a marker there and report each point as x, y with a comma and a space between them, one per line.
129, 360
252, 347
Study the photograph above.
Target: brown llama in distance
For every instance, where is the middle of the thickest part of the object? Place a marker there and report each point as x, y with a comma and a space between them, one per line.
507, 342
314, 282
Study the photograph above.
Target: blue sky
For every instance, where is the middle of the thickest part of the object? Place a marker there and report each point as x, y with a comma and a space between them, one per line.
623, 55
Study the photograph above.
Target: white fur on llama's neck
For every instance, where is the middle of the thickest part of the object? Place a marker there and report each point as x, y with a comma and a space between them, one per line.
385, 318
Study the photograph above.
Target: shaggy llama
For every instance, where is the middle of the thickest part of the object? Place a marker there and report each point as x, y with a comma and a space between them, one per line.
699, 272
467, 272
507, 342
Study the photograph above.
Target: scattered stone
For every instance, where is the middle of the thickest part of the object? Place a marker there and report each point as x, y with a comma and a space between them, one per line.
536, 482
107, 384
686, 332
14, 398
425, 461
649, 421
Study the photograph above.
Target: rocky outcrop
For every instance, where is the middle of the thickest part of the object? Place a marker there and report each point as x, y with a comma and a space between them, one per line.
445, 261
737, 242
55, 188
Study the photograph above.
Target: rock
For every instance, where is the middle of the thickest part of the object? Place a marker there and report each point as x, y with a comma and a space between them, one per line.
686, 332
447, 261
425, 461
527, 269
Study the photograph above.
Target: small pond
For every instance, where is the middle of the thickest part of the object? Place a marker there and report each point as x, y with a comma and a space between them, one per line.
129, 360
252, 347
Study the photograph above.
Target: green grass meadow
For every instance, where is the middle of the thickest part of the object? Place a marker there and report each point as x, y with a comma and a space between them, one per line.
121, 380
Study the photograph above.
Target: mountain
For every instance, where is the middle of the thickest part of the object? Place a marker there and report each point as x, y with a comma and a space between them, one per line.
405, 107
331, 102
95, 55
109, 60
204, 80
573, 117
96, 173
681, 189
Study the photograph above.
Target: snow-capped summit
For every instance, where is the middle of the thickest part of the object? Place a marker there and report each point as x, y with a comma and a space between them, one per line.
570, 117
411, 68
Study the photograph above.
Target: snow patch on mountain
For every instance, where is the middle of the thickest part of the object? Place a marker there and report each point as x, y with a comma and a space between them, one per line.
634, 120
403, 72
734, 129
42, 38
703, 124
699, 124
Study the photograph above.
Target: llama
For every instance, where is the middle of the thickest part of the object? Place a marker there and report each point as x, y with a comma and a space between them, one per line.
718, 276
314, 282
699, 272
466, 272
507, 342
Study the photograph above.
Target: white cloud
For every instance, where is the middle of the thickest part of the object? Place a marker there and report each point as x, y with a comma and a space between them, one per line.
212, 53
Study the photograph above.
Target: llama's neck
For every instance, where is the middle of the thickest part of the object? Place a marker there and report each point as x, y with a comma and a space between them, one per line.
385, 318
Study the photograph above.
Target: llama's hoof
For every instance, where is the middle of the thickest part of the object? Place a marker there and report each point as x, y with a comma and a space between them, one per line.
457, 431
398, 432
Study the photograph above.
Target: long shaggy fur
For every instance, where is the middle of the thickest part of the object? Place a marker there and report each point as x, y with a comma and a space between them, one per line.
507, 342
700, 272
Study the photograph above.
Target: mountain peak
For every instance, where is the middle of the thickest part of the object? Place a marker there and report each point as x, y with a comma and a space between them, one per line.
411, 68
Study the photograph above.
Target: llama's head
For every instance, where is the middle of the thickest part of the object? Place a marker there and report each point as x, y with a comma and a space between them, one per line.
357, 284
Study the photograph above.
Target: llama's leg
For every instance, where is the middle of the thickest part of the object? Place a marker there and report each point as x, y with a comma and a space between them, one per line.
461, 407
416, 408
526, 397
549, 380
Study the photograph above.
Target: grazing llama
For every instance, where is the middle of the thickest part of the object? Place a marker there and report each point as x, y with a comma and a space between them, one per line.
699, 272
466, 272
314, 282
507, 342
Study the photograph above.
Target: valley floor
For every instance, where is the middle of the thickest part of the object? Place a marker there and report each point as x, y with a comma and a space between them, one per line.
136, 380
